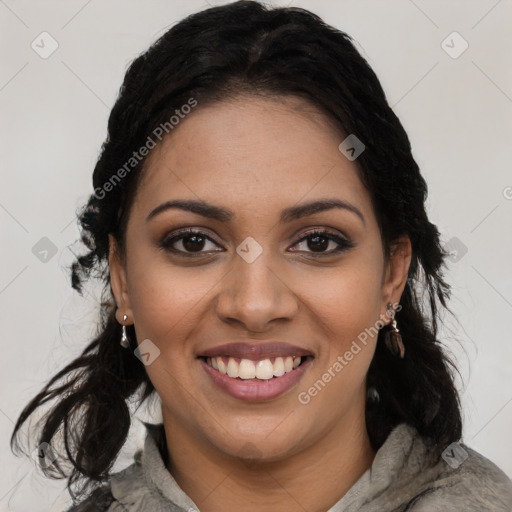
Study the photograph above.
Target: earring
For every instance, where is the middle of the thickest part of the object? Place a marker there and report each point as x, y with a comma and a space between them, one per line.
373, 395
392, 336
124, 338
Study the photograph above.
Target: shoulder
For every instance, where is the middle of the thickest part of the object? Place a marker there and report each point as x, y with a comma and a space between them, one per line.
125, 491
408, 476
463, 479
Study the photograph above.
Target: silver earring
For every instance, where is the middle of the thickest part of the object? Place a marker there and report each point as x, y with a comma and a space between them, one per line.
124, 338
392, 336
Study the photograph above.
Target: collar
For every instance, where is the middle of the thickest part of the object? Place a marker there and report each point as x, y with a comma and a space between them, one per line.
147, 484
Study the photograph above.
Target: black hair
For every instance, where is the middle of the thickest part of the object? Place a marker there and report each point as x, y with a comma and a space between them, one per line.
214, 55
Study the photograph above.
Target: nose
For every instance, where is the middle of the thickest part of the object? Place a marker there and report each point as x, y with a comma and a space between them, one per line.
254, 295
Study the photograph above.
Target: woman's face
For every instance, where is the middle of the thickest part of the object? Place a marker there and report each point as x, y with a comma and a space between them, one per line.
253, 274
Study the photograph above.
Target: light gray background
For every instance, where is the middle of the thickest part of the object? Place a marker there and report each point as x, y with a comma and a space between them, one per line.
457, 112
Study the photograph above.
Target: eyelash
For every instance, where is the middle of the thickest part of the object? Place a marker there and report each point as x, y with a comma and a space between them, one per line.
167, 243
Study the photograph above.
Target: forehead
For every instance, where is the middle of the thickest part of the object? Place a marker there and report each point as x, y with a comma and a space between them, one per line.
254, 153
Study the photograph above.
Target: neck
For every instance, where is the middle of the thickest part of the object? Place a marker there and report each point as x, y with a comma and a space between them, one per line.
313, 479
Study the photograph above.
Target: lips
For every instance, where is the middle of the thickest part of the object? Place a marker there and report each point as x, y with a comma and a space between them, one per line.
255, 371
256, 351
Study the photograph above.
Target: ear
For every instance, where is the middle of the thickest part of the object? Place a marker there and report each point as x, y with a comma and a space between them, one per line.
396, 273
119, 283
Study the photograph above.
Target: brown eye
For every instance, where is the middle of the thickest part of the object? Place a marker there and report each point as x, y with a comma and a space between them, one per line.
319, 241
193, 243
187, 243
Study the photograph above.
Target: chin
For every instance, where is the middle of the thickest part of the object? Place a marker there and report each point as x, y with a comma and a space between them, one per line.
259, 447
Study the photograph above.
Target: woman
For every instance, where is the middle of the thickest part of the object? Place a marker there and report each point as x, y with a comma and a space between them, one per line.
259, 223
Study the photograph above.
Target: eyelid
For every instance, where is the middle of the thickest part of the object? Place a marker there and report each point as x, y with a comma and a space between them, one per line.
170, 238
342, 240
325, 232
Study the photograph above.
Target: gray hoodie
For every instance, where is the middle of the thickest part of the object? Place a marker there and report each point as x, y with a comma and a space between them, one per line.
402, 478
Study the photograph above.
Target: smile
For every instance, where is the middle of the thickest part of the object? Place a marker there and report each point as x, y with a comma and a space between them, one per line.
255, 380
245, 369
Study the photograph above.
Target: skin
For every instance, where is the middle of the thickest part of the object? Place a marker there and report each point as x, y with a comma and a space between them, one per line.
257, 156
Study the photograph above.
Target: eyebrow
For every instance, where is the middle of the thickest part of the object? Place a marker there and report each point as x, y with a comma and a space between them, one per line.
224, 215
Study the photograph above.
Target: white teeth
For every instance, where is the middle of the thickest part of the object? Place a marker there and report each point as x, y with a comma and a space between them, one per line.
278, 367
264, 369
222, 365
232, 368
247, 369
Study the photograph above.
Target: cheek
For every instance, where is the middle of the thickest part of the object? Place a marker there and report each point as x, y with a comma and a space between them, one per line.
347, 299
165, 299
166, 303
169, 300
346, 307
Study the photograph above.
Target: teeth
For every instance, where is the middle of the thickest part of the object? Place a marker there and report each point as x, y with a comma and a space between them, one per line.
264, 369
278, 367
232, 368
221, 365
247, 369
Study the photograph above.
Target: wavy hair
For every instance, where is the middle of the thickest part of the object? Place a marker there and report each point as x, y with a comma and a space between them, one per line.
215, 55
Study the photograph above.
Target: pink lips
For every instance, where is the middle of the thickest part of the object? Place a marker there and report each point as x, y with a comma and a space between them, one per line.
256, 390
255, 351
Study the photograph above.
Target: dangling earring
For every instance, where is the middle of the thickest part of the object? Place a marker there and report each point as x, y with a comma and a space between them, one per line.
124, 338
392, 336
